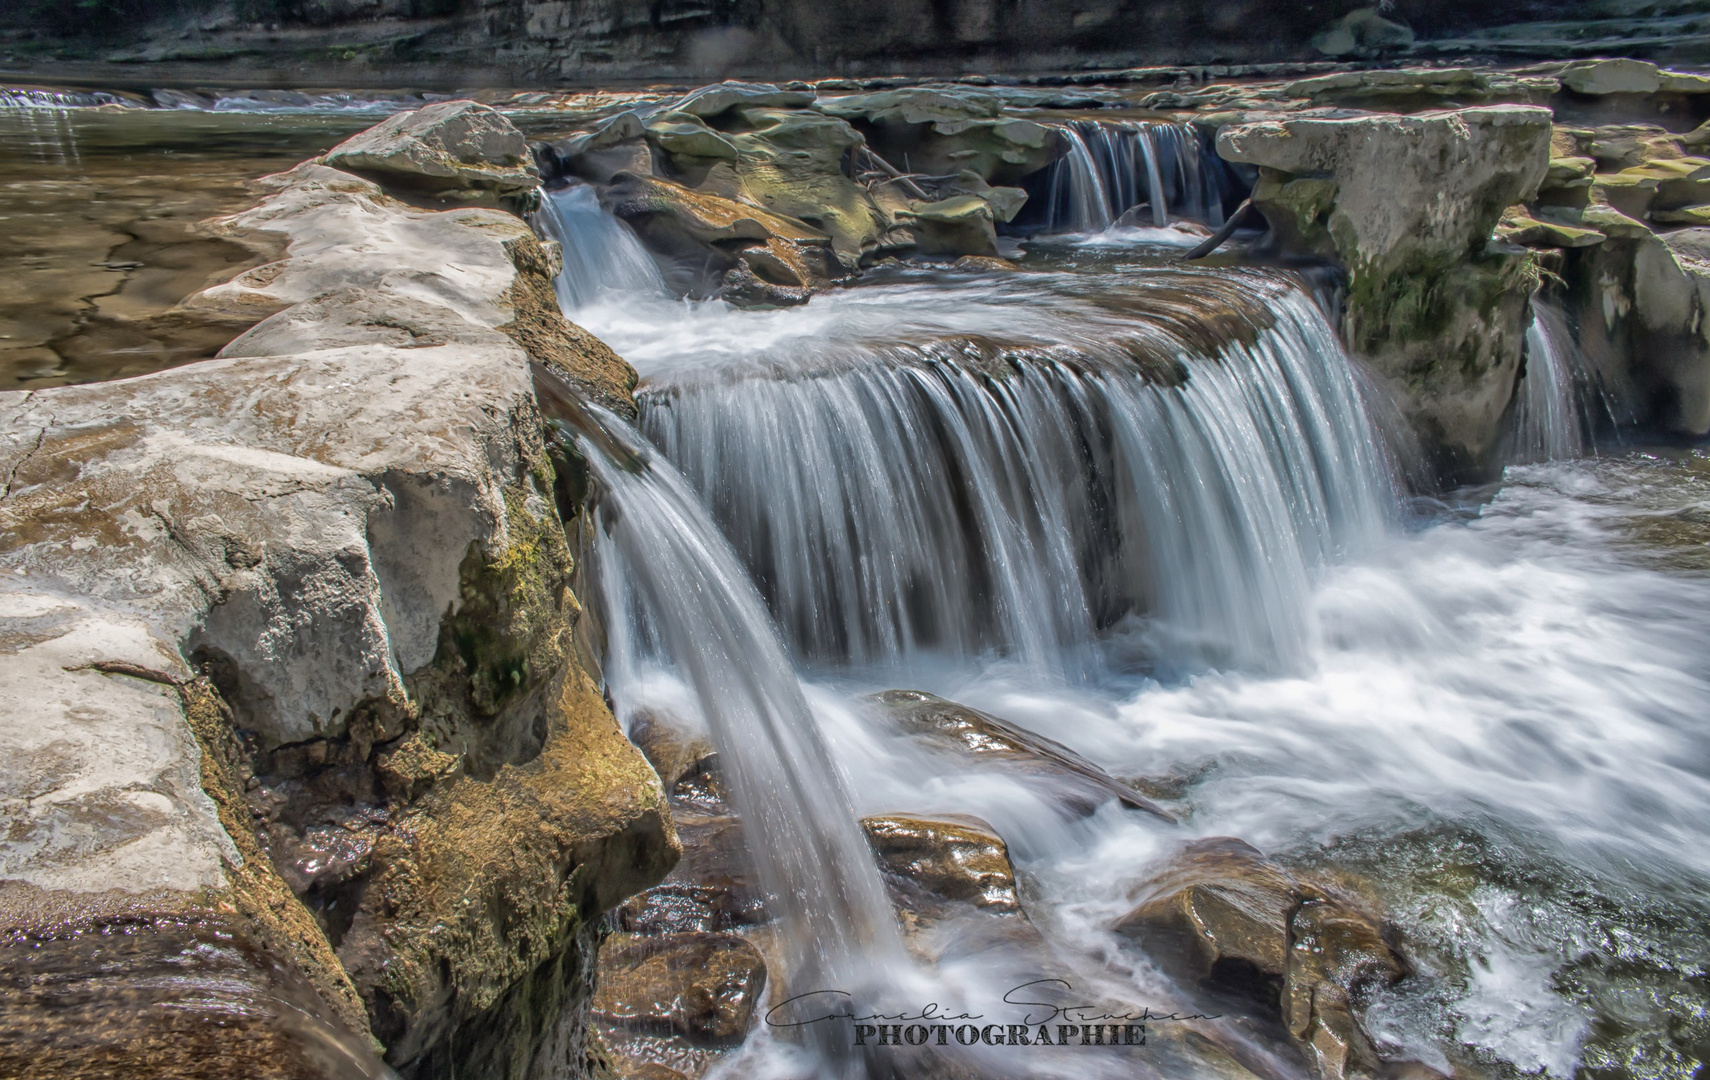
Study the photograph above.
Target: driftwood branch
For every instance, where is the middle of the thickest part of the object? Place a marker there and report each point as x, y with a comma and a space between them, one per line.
1216, 239
125, 667
894, 173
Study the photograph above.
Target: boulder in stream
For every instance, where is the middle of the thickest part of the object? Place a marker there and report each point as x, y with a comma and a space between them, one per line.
932, 863
460, 150
1222, 917
1408, 204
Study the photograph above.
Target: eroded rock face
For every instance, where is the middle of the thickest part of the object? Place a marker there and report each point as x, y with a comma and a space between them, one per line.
1622, 215
1407, 204
709, 235
679, 984
1223, 917
392, 779
1073, 781
938, 131
454, 150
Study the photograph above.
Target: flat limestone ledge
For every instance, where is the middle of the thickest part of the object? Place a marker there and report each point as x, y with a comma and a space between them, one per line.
302, 507
1408, 206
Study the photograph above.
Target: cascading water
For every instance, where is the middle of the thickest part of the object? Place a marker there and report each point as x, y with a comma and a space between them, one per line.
943, 499
675, 596
1111, 167
1547, 423
13, 97
601, 255
941, 477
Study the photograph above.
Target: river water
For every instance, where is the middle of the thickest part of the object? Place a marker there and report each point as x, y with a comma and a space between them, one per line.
1153, 514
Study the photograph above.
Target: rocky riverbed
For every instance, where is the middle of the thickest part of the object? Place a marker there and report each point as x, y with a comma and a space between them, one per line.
380, 701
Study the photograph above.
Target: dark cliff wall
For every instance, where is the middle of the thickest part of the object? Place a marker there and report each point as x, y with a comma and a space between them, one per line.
531, 41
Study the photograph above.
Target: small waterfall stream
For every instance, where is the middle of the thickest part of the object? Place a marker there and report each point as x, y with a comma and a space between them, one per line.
932, 498
601, 256
675, 596
1547, 424
1114, 167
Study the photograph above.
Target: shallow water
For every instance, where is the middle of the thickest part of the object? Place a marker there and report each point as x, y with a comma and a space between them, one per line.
99, 238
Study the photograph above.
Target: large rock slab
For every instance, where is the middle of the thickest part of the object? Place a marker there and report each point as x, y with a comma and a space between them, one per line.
305, 608
1060, 774
1408, 205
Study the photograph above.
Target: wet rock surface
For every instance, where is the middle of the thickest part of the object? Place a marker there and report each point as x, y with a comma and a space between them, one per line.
932, 862
1222, 917
678, 981
1075, 783
703, 987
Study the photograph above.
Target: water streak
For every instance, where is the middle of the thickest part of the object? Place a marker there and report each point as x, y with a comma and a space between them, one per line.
1113, 167
1547, 424
601, 255
674, 593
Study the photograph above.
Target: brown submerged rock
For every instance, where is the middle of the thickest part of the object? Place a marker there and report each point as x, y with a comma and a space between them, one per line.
1078, 784
1223, 917
700, 987
931, 863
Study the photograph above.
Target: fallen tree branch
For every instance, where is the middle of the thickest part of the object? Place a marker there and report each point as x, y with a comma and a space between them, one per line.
891, 171
1216, 239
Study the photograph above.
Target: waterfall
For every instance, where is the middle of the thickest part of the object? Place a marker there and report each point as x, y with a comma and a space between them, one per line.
1111, 167
21, 97
906, 499
674, 593
601, 256
1547, 424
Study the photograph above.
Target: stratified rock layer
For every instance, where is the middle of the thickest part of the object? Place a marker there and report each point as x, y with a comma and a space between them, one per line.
287, 664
